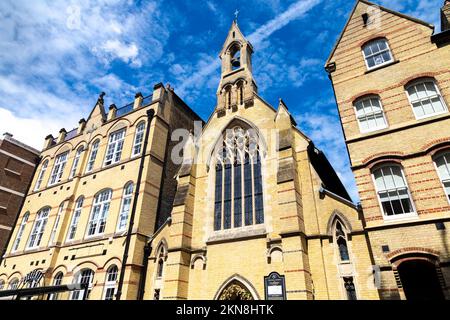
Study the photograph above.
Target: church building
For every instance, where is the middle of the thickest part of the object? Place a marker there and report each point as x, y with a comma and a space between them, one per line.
254, 197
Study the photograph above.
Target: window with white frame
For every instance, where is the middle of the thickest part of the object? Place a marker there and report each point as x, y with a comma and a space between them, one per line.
138, 139
38, 228
115, 146
377, 53
110, 283
393, 191
2, 284
370, 114
425, 98
41, 175
442, 162
55, 226
76, 160
58, 168
75, 218
93, 156
19, 235
57, 281
85, 276
125, 207
99, 214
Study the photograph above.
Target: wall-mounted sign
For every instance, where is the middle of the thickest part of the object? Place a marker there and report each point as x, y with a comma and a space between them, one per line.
275, 287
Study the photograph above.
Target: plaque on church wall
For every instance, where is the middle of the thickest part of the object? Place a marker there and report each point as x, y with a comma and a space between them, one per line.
275, 287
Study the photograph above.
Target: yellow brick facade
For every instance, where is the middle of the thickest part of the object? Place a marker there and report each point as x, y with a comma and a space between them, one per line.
100, 252
409, 142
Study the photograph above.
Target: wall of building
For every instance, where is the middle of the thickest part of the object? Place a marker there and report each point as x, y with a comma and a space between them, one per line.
17, 164
407, 141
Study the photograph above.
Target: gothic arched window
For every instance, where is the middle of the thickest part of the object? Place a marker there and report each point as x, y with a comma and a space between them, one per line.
240, 91
341, 242
238, 182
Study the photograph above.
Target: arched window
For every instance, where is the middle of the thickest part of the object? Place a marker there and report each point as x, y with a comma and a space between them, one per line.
13, 284
76, 160
58, 168
99, 213
238, 168
341, 242
138, 139
93, 155
115, 146
75, 218
240, 92
393, 191
2, 284
235, 55
55, 226
125, 207
85, 276
161, 256
377, 53
425, 98
57, 281
110, 283
41, 175
369, 113
38, 228
442, 162
228, 97
23, 224
160, 269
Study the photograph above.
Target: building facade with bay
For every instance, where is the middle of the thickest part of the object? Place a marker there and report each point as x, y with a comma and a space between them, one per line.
391, 77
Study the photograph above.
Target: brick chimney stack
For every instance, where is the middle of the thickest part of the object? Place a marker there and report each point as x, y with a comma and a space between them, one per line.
445, 16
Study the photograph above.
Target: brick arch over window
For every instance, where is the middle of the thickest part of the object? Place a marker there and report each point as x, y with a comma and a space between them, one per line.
389, 156
436, 146
398, 256
119, 125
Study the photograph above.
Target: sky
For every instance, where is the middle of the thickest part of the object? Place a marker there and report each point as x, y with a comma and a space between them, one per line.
57, 56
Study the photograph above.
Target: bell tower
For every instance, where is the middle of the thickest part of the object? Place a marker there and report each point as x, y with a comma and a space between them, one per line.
237, 86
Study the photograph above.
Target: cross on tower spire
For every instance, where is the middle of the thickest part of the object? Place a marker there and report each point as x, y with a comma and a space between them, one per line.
236, 14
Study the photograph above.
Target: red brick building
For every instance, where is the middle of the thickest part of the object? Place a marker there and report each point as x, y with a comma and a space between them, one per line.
17, 164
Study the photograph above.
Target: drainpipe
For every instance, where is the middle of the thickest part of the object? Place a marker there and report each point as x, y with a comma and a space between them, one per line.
16, 219
150, 115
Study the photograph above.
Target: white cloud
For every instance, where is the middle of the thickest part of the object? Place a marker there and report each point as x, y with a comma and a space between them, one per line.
112, 49
295, 11
49, 76
31, 131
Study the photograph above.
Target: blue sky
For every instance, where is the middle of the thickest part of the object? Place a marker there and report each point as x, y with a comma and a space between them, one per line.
57, 56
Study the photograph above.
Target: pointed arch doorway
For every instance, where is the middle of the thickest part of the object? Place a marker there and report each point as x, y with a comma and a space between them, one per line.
236, 288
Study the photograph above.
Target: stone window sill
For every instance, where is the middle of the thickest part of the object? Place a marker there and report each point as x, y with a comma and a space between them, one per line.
245, 233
